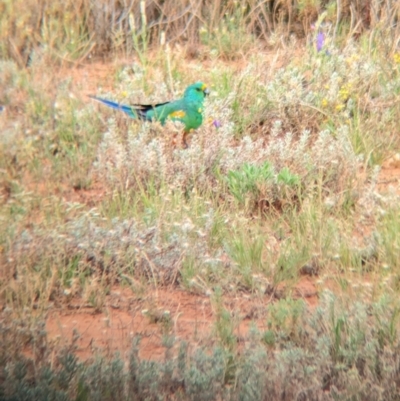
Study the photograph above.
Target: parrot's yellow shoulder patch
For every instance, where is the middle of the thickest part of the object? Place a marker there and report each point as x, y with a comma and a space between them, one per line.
199, 109
177, 114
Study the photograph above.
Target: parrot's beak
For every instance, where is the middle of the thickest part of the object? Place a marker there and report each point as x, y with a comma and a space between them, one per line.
206, 92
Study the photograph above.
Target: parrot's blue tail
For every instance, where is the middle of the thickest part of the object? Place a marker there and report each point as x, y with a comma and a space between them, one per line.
126, 109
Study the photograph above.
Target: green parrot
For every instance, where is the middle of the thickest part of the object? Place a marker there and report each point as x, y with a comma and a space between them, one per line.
187, 110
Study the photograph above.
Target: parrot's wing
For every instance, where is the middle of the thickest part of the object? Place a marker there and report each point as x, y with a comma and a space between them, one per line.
142, 110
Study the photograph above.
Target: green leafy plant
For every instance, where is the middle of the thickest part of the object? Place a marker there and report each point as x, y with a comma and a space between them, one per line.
249, 180
252, 184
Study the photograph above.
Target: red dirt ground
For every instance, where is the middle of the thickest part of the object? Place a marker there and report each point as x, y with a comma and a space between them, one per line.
191, 317
389, 177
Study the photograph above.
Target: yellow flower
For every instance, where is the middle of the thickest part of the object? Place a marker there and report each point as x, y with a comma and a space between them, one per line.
324, 102
339, 107
396, 58
344, 92
353, 58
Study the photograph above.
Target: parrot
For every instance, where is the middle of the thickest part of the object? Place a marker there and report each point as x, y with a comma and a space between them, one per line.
188, 109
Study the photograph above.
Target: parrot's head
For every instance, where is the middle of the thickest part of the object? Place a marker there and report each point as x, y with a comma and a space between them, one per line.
197, 91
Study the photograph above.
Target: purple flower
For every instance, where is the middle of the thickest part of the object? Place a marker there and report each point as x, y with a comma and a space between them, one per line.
320, 41
217, 123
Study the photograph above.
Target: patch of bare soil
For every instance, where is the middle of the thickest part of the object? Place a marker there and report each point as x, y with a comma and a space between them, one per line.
389, 177
86, 79
171, 311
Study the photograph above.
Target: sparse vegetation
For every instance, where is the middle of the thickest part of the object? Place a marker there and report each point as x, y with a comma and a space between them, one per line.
282, 179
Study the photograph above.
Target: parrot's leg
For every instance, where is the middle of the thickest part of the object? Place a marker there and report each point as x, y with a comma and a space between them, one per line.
184, 142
